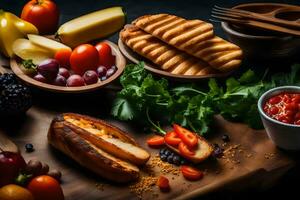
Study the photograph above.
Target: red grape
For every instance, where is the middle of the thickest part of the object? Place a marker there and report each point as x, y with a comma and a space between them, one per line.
64, 72
90, 77
75, 81
101, 71
40, 78
60, 80
48, 68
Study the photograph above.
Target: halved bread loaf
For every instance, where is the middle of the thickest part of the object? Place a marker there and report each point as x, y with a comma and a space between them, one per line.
82, 138
107, 137
194, 37
167, 57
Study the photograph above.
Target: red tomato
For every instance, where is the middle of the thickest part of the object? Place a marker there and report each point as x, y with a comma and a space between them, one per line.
185, 151
172, 138
63, 57
45, 188
163, 183
84, 57
156, 141
186, 136
44, 14
106, 58
191, 173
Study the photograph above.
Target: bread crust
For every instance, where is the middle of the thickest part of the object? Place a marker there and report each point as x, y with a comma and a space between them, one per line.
67, 138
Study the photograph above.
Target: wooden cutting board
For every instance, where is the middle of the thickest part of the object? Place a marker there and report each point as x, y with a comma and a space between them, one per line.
253, 161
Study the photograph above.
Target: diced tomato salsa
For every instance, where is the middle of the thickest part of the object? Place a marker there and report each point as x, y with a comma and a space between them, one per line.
284, 107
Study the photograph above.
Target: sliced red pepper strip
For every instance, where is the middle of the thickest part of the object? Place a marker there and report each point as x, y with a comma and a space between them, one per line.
189, 138
171, 138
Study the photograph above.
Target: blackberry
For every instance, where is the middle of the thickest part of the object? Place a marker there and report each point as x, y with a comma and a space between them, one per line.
7, 79
15, 99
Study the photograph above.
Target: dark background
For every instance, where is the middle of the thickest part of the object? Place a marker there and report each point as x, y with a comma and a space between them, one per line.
288, 187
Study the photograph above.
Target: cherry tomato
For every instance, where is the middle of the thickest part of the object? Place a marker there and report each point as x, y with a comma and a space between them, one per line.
45, 188
185, 151
63, 57
84, 57
156, 141
15, 192
44, 14
186, 136
163, 183
106, 58
191, 173
171, 138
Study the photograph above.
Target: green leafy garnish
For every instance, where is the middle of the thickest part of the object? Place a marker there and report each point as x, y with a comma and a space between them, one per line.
151, 101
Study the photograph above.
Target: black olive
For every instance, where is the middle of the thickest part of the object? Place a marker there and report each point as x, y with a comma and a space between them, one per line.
162, 151
225, 138
167, 152
170, 159
163, 157
29, 147
176, 160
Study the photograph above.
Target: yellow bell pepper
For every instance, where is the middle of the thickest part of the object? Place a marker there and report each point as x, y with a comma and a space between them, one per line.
12, 28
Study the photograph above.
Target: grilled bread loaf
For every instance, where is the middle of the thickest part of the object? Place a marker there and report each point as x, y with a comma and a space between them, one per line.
98, 146
167, 57
195, 37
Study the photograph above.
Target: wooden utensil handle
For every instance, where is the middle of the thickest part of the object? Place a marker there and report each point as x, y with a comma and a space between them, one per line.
6, 144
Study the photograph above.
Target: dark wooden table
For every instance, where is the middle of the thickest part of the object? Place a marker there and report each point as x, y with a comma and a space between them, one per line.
288, 186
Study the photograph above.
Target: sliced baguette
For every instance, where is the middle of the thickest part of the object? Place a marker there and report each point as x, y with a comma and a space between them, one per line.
65, 139
107, 137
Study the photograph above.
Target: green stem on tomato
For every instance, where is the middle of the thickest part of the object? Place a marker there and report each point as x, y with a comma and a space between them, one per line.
157, 127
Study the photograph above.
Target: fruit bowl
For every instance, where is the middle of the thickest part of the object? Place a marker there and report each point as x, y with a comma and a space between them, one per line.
120, 64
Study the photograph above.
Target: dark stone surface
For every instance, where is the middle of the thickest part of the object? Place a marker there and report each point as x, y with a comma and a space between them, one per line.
287, 188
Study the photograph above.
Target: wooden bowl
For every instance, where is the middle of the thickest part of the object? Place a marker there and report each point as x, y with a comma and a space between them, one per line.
135, 58
261, 45
120, 64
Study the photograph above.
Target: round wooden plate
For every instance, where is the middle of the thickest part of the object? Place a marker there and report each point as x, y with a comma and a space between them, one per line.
120, 64
135, 58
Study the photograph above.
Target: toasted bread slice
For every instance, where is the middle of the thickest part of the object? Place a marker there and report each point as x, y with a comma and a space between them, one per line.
65, 139
194, 37
202, 151
107, 137
167, 57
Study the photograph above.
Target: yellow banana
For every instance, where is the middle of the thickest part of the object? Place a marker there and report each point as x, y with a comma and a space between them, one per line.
92, 26
12, 28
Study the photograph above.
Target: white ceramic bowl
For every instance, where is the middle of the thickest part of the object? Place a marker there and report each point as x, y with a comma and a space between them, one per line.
285, 136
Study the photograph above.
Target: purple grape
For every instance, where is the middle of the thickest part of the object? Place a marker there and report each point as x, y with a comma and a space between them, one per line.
101, 71
110, 72
40, 78
75, 81
48, 68
90, 77
60, 80
64, 72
